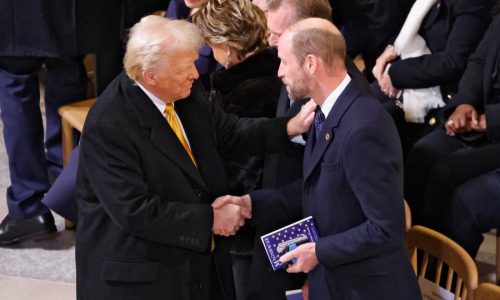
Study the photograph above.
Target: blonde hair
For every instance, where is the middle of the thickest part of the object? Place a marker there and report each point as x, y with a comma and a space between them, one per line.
152, 37
239, 23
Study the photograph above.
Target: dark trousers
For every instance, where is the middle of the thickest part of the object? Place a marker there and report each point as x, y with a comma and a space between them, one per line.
436, 166
31, 157
473, 210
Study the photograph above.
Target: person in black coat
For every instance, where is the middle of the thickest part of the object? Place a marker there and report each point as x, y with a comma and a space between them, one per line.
467, 146
54, 34
150, 169
368, 26
451, 30
247, 86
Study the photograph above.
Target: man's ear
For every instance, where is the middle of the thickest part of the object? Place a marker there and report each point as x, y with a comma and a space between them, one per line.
149, 77
311, 63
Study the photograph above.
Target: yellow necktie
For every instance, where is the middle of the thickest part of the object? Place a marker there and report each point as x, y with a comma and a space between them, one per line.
172, 121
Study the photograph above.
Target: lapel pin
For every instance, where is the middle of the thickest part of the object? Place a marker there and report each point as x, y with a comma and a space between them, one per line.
327, 136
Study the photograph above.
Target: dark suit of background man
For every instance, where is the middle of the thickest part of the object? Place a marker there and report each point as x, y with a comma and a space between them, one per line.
352, 184
35, 33
461, 149
474, 207
369, 25
114, 18
144, 190
452, 161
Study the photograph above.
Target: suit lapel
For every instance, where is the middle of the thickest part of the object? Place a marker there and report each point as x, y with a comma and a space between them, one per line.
164, 138
295, 107
161, 134
314, 151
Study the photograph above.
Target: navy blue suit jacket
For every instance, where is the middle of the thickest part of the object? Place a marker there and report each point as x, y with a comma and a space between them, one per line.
353, 187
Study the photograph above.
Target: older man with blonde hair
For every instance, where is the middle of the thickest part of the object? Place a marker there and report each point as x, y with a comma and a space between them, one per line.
149, 171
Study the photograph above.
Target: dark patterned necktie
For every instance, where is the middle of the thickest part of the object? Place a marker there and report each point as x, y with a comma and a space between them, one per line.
319, 119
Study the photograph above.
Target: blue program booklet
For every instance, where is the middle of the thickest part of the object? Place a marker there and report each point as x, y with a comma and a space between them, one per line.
288, 238
294, 295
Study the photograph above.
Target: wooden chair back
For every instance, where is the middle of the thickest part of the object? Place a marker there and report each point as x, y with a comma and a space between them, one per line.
407, 216
487, 291
498, 256
461, 274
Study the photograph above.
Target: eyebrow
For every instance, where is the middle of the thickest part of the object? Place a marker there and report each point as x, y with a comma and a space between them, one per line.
274, 32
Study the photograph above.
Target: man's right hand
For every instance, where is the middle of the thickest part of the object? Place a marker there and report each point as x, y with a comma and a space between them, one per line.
387, 56
230, 213
303, 120
461, 120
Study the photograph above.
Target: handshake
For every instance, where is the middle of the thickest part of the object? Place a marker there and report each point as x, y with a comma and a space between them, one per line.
230, 213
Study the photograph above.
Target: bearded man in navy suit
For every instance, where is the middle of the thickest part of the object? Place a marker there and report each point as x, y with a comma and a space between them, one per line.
353, 176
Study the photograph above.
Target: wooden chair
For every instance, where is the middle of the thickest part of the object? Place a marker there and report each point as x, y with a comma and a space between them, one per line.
407, 216
487, 291
462, 271
72, 118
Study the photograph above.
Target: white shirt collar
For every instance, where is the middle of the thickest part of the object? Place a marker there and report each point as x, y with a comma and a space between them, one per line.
327, 106
156, 101
161, 107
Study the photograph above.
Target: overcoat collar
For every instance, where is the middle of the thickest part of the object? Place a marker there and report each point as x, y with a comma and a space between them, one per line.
161, 134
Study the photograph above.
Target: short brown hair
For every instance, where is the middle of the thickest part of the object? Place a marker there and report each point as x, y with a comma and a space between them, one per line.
239, 23
325, 44
304, 9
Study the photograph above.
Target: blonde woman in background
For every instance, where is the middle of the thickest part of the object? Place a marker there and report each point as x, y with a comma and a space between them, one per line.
248, 86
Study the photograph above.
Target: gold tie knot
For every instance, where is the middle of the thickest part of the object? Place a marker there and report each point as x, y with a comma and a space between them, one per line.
169, 108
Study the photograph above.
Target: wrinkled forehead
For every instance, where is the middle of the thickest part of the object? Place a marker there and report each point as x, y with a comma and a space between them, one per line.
285, 45
286, 39
278, 20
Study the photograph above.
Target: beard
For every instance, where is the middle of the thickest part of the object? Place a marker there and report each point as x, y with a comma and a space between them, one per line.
300, 87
